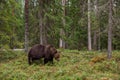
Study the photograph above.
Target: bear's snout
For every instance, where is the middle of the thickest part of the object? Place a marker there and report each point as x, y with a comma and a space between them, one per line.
57, 56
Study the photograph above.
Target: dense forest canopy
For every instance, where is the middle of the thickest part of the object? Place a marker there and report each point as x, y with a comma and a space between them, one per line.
46, 19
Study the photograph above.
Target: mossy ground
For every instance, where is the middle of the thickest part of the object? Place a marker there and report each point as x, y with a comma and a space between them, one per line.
73, 65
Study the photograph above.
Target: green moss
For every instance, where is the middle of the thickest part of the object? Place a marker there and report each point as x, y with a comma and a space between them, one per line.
73, 65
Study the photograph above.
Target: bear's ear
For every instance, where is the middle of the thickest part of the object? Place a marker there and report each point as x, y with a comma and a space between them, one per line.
53, 50
48, 49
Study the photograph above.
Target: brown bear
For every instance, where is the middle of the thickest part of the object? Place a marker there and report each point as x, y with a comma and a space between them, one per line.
48, 52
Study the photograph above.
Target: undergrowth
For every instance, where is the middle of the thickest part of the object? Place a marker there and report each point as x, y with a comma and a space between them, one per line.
73, 65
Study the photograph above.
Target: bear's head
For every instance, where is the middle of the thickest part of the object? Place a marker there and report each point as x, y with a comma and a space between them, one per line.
53, 52
57, 56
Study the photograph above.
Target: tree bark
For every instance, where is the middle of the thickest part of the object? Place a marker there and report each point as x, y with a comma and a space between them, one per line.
62, 33
99, 39
96, 25
62, 43
41, 27
89, 27
26, 24
95, 40
109, 55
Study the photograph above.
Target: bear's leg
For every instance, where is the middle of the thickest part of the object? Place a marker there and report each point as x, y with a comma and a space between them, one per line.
33, 59
51, 60
29, 60
45, 60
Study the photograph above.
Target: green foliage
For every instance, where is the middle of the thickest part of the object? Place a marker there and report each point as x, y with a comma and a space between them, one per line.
73, 65
11, 22
6, 54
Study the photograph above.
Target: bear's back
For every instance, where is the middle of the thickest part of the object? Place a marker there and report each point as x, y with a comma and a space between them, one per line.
37, 50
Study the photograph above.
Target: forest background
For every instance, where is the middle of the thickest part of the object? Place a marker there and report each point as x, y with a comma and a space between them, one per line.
62, 23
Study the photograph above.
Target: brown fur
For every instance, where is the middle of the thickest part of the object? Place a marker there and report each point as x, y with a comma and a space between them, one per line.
47, 52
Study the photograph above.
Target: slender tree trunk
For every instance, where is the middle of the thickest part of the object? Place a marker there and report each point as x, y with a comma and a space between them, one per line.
96, 25
62, 43
42, 23
95, 40
41, 27
99, 41
41, 33
44, 33
97, 31
89, 28
26, 24
110, 30
62, 33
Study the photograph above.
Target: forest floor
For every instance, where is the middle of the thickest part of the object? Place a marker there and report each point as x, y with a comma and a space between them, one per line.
73, 65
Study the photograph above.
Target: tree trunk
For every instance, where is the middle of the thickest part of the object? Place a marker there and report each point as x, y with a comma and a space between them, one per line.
42, 10
62, 43
62, 33
41, 27
110, 30
96, 25
99, 41
95, 40
40, 16
89, 28
26, 24
44, 33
